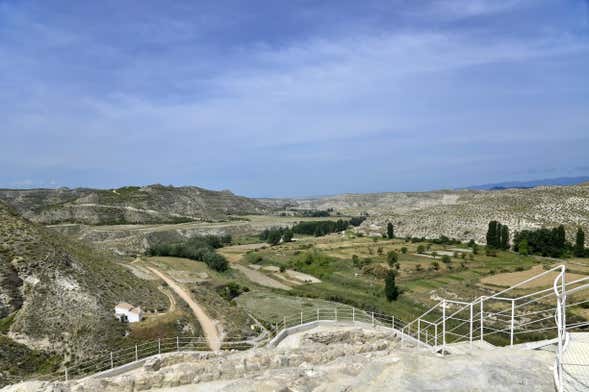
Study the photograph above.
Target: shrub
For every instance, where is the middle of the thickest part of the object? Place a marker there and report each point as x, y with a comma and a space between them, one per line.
446, 259
231, 290
404, 250
392, 258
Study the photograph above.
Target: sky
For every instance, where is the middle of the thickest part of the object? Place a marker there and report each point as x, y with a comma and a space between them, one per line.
293, 98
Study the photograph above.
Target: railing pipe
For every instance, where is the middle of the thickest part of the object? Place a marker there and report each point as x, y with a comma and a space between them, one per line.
444, 327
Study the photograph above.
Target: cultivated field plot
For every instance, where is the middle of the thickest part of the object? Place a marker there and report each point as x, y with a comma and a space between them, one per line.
511, 278
275, 307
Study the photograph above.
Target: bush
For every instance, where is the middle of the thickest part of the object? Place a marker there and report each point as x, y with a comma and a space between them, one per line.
231, 290
435, 265
446, 259
404, 250
420, 249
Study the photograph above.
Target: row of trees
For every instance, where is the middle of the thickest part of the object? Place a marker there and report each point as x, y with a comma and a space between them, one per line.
199, 248
544, 242
498, 235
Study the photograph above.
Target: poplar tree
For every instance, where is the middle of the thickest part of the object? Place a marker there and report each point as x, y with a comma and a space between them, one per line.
580, 243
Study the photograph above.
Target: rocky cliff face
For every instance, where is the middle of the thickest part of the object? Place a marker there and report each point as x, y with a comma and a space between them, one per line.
59, 294
150, 204
464, 214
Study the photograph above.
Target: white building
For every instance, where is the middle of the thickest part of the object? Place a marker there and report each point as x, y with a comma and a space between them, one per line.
127, 312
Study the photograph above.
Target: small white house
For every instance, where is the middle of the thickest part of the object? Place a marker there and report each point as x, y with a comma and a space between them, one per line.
129, 313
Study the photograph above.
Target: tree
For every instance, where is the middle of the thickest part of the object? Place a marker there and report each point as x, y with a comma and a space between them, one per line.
392, 258
492, 239
504, 237
390, 231
580, 243
287, 235
523, 247
391, 290
274, 236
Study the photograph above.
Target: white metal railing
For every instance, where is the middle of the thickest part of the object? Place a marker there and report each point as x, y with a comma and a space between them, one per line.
508, 317
527, 311
112, 360
560, 317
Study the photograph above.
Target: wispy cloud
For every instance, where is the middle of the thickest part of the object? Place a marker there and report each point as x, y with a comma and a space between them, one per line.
176, 97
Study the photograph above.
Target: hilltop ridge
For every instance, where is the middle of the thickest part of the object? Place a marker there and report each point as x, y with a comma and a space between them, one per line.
128, 205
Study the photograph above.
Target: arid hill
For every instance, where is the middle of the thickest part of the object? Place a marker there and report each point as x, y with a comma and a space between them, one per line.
128, 205
461, 214
57, 295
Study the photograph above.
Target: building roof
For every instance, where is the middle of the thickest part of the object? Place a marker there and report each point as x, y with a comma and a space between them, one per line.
125, 306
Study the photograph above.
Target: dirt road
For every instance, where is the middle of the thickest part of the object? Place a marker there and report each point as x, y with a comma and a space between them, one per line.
207, 324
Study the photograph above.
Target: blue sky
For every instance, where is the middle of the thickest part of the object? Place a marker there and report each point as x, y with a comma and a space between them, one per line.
293, 98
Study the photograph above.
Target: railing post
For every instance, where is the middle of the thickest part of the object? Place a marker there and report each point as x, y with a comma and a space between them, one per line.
512, 321
112, 362
136, 353
471, 323
317, 314
177, 343
373, 319
393, 322
159, 345
436, 332
564, 301
426, 337
354, 314
301, 317
419, 330
482, 329
335, 313
443, 327
284, 322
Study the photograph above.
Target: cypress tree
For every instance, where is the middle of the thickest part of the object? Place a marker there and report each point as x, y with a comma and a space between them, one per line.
391, 290
504, 237
580, 243
492, 234
390, 231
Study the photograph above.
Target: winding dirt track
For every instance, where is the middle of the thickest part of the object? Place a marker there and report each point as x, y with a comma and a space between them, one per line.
207, 324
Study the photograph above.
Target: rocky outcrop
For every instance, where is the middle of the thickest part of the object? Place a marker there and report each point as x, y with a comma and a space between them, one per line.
351, 360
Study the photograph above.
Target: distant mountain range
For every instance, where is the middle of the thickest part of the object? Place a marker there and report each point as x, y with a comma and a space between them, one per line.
562, 181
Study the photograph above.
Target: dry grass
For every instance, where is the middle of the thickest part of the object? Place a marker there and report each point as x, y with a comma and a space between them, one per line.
511, 278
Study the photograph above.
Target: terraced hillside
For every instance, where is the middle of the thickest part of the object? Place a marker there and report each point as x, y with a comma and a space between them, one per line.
128, 205
57, 296
462, 214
